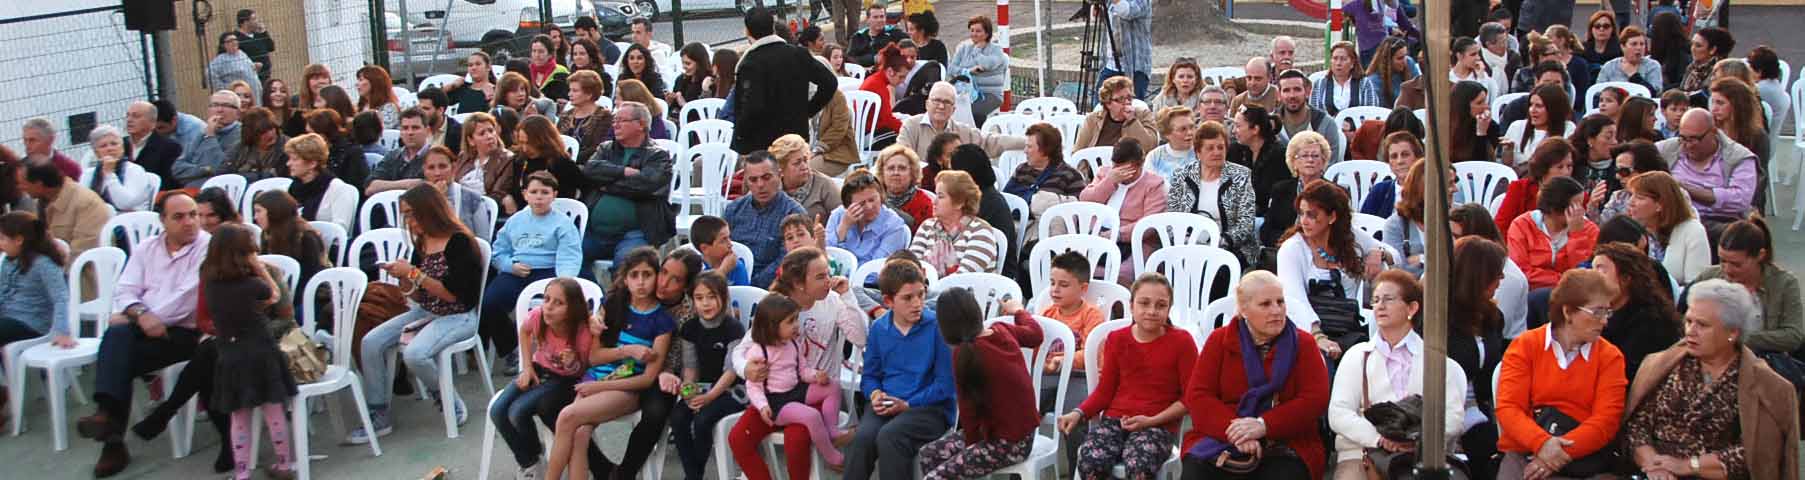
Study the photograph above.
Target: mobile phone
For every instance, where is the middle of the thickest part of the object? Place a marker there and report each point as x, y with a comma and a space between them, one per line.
887, 403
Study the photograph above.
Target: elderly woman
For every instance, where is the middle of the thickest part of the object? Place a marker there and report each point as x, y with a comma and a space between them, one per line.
1176, 127
1305, 159
1746, 255
1556, 236
1403, 230
1117, 119
984, 63
1565, 377
1255, 394
816, 193
1340, 88
1142, 193
110, 172
1677, 239
1399, 150
1215, 188
323, 197
1708, 407
897, 171
585, 120
992, 207
1635, 66
1391, 368
1644, 321
1323, 263
955, 240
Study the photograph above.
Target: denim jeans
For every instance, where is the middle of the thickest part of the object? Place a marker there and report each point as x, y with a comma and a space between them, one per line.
694, 432
419, 354
513, 413
1140, 81
601, 246
496, 326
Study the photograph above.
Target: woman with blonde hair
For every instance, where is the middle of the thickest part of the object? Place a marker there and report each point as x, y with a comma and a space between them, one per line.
631, 90
321, 194
1184, 82
1306, 157
954, 239
485, 164
1677, 238
817, 193
1176, 127
897, 174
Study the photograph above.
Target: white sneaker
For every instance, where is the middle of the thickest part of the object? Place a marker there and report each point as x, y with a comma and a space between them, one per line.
530, 472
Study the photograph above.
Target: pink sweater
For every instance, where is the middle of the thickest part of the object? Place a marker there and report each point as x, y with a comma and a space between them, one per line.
1146, 196
786, 371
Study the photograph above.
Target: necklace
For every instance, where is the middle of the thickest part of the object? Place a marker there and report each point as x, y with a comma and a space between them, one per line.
1325, 256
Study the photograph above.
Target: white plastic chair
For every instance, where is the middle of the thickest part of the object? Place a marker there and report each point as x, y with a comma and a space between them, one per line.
1091, 161
1634, 89
1004, 166
486, 214
447, 391
1798, 145
58, 363
1068, 125
345, 287
391, 139
706, 131
1502, 100
1045, 451
1171, 228
989, 288
1193, 271
1101, 253
334, 238
1018, 209
699, 109
868, 271
1007, 123
372, 160
848, 84
1361, 114
291, 269
1044, 107
854, 70
530, 297
136, 226
1372, 225
571, 146
842, 256
718, 163
390, 204
258, 187
390, 244
575, 210
1221, 75
1482, 180
438, 81
404, 98
864, 106
1089, 218
742, 298
1358, 176
1215, 316
233, 184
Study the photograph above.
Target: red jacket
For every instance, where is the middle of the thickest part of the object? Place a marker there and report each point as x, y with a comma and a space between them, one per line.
1531, 248
876, 83
1008, 390
1520, 196
918, 209
1218, 381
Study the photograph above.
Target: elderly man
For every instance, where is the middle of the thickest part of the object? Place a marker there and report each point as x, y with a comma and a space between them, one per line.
872, 38
221, 136
404, 167
156, 152
1132, 23
1494, 47
1296, 116
73, 213
40, 147
772, 97
1259, 89
757, 217
1282, 53
1718, 173
918, 131
445, 130
152, 325
632, 208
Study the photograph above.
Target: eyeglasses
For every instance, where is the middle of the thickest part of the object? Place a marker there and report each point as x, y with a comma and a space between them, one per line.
1684, 138
1602, 25
1625, 171
1378, 301
1122, 99
1600, 312
941, 101
233, 106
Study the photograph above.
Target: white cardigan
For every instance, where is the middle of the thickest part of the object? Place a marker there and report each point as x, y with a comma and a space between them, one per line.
1512, 297
129, 192
1353, 433
1688, 252
334, 208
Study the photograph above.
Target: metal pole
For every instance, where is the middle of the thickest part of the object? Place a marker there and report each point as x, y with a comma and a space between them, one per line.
379, 34
1003, 41
676, 18
165, 74
1043, 9
407, 42
1434, 444
144, 56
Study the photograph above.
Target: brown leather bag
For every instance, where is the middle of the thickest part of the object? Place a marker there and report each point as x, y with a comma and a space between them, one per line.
381, 302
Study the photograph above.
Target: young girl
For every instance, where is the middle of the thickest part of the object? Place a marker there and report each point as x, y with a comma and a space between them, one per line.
1143, 379
555, 350
707, 339
252, 373
990, 377
32, 282
792, 392
636, 335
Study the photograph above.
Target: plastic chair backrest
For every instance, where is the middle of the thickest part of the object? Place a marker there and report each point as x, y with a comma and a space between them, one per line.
135, 226
848, 84
1194, 271
1361, 114
864, 106
1093, 349
486, 216
334, 238
854, 70
1053, 332
700, 109
534, 295
291, 269
1215, 316
251, 191
1089, 218
1007, 123
1634, 89
745, 253
1104, 257
345, 290
1092, 161
1358, 176
1018, 210
437, 81
575, 210
743, 299
1005, 166
1107, 296
108, 264
1502, 100
703, 131
233, 184
1482, 180
391, 138
389, 203
571, 147
1219, 76
842, 256
718, 164
867, 272
1171, 228
1372, 225
1068, 125
990, 289
390, 244
372, 160
1045, 107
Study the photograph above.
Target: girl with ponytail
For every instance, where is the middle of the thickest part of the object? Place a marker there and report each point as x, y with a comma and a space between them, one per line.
993, 386
32, 282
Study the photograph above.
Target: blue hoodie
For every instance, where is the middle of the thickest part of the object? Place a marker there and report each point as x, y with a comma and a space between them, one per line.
539, 241
894, 363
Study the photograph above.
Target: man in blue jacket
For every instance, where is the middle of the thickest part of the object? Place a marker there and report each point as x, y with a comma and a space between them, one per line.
908, 378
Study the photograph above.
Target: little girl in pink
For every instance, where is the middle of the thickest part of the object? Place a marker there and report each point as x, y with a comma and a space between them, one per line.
793, 393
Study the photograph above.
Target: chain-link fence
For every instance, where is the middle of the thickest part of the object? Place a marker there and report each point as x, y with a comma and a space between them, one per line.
280, 36
79, 68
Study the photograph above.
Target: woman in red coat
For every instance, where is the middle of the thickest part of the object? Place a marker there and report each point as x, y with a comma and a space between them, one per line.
1256, 392
1553, 158
891, 69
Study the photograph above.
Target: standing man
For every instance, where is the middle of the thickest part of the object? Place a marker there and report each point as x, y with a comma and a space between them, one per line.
254, 41
642, 35
445, 130
71, 212
587, 28
757, 217
40, 147
221, 136
846, 15
877, 34
1132, 24
1296, 116
771, 97
153, 151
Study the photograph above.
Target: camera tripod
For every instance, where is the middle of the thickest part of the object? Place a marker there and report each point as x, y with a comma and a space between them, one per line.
1097, 29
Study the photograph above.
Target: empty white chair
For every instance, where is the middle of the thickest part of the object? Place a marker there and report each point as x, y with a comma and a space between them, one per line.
700, 109
989, 288
1091, 161
1358, 176
1089, 218
1482, 180
260, 186
864, 106
1007, 123
133, 226
1171, 228
1044, 107
1221, 75
390, 244
1104, 257
1193, 271
344, 287
334, 238
706, 131
389, 204
233, 184
107, 263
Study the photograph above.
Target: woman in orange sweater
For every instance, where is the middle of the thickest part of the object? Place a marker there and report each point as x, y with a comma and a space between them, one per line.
1556, 236
1564, 375
1554, 158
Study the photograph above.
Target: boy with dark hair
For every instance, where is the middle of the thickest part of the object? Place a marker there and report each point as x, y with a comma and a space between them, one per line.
907, 378
713, 238
1674, 104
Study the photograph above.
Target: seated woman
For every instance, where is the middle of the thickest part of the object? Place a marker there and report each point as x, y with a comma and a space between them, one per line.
884, 77
486, 164
1644, 320
1045, 179
1563, 376
631, 90
1116, 119
992, 207
1256, 146
989, 376
322, 195
1322, 264
1708, 407
1677, 239
284, 233
1266, 418
955, 240
818, 194
1475, 135
1592, 140
1306, 157
439, 172
1143, 193
1549, 111
1746, 252
897, 169
1611, 199
1476, 340
258, 154
1399, 150
1555, 237
535, 244
214, 207
1553, 159
344, 159
444, 276
1137, 404
1216, 188
1396, 373
1176, 128
33, 282
585, 120
110, 172
1404, 228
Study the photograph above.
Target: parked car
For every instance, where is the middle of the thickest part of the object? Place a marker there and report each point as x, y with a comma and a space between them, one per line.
654, 8
504, 27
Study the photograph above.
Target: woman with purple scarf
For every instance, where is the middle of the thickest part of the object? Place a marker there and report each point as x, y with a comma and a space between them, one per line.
1256, 393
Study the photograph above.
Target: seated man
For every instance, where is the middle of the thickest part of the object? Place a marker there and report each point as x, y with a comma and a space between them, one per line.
908, 378
445, 130
404, 167
872, 38
152, 150
220, 136
918, 131
633, 208
40, 147
1718, 173
757, 217
152, 324
72, 212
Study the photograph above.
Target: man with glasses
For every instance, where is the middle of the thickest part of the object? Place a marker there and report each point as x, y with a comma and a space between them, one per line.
918, 131
1718, 173
1212, 106
220, 136
633, 207
1296, 116
757, 217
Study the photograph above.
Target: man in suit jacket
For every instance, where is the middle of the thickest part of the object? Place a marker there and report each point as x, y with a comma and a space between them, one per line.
153, 151
769, 101
445, 130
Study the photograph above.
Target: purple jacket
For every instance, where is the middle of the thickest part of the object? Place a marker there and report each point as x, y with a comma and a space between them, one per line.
1370, 27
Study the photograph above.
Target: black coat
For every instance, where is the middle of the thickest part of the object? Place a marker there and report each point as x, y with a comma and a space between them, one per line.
771, 96
159, 154
864, 46
454, 135
1464, 351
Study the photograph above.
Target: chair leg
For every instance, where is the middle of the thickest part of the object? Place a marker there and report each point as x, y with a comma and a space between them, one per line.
298, 423
447, 395
482, 471
256, 436
59, 413
723, 457
483, 366
15, 394
363, 413
73, 380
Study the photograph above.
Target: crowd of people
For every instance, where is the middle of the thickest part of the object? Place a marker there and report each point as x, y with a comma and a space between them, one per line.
1620, 310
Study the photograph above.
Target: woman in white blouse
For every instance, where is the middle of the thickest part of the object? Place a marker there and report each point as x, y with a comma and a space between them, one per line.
1549, 111
1322, 250
1469, 65
112, 174
1387, 369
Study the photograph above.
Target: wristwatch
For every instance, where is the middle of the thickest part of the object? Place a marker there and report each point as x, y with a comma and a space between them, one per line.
1695, 465
135, 310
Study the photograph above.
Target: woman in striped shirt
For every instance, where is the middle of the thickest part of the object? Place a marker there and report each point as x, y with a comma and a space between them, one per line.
955, 240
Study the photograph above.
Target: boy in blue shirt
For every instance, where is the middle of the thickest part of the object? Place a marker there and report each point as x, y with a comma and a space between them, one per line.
908, 380
534, 244
712, 237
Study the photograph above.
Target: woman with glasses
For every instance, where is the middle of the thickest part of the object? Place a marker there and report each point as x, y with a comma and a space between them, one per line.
1609, 199
1390, 368
1117, 118
1305, 159
1676, 237
1563, 375
1601, 43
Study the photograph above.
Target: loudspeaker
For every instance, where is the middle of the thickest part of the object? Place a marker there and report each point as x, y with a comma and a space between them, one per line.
149, 15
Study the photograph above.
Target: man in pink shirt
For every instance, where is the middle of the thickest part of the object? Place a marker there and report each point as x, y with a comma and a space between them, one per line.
152, 325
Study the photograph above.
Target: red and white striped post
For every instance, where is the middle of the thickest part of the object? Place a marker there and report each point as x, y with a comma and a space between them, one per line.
1002, 40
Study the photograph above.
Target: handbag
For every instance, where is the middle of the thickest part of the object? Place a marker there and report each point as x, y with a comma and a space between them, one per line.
1557, 424
381, 302
1399, 421
1337, 315
306, 360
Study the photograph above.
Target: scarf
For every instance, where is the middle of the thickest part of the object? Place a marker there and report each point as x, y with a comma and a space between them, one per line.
1698, 75
97, 185
897, 201
1261, 385
310, 194
542, 73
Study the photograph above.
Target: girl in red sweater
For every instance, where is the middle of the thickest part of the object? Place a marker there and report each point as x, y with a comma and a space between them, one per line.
1142, 408
995, 392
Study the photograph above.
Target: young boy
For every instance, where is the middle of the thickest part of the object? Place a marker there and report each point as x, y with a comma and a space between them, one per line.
1070, 279
907, 378
800, 230
1674, 104
717, 250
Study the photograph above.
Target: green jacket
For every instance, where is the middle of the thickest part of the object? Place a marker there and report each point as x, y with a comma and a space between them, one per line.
1782, 311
